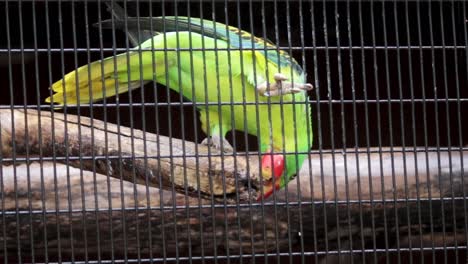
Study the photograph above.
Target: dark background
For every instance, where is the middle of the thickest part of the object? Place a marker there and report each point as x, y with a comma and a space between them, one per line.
380, 66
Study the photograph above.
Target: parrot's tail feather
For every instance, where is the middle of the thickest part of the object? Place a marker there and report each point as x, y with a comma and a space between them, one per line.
96, 81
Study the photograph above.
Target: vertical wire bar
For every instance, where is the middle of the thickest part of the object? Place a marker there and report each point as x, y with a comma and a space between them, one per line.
343, 128
158, 152
413, 129
144, 130
205, 84
403, 135
54, 152
119, 143
436, 108
2, 202
356, 131
233, 124
2, 186
145, 150
39, 139
320, 138
275, 10
262, 203
195, 118
366, 114
425, 126
245, 126
149, 209
187, 203
278, 250
132, 126
182, 119
390, 128
197, 165
222, 133
379, 129
80, 143
14, 163
308, 114
91, 118
67, 144
294, 124
165, 46
367, 131
105, 119
270, 122
13, 129
332, 134
26, 130
179, 81
447, 116
465, 206
257, 98
319, 130
66, 140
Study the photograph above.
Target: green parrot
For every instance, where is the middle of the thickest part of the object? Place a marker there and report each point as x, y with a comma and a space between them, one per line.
207, 61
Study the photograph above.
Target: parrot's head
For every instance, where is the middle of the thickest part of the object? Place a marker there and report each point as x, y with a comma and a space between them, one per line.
278, 170
272, 169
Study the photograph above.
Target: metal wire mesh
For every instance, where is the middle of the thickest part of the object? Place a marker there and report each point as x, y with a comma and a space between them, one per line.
384, 183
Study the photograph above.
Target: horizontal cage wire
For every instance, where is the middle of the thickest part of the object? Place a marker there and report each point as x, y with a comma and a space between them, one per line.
233, 131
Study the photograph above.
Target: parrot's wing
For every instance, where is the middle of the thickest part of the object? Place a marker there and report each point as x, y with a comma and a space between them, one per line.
235, 37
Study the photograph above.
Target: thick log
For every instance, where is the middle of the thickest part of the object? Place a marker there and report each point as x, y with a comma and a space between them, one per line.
380, 199
78, 213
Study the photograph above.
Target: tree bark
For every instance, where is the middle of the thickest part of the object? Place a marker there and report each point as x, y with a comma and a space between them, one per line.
355, 199
135, 156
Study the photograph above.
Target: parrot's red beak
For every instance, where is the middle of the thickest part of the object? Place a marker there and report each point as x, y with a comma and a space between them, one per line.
272, 168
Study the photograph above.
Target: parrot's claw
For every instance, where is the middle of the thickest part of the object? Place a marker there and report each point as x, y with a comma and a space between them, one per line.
280, 77
215, 141
280, 87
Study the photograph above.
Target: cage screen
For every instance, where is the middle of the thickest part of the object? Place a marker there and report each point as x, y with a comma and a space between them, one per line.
233, 131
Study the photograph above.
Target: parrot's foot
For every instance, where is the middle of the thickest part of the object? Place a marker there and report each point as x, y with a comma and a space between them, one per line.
280, 87
215, 141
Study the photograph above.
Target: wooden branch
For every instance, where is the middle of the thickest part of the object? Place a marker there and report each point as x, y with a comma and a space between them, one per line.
356, 207
378, 174
135, 156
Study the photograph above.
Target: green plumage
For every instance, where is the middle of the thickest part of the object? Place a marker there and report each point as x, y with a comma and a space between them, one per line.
211, 63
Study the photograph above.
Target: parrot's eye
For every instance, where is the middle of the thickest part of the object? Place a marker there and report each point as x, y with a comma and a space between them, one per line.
275, 160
